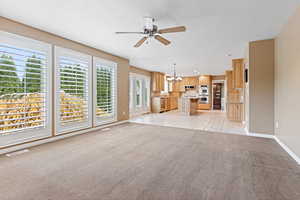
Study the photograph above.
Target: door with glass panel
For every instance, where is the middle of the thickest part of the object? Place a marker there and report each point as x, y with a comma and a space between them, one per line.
105, 104
73, 90
139, 94
25, 85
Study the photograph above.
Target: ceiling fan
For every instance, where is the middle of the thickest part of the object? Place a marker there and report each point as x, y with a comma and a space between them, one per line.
151, 30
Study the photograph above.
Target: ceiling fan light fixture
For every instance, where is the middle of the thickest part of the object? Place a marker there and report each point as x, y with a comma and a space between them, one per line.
151, 30
148, 23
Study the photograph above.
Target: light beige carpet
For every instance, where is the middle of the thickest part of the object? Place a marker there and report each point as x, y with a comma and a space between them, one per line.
134, 161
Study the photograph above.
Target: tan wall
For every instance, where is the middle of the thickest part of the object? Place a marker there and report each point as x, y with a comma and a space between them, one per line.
261, 86
139, 71
123, 64
287, 87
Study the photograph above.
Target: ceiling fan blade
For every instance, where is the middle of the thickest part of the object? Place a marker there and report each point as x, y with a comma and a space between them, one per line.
172, 30
140, 42
129, 32
162, 40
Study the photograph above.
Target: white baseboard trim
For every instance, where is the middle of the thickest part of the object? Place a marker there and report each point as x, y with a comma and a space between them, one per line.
261, 135
288, 150
58, 137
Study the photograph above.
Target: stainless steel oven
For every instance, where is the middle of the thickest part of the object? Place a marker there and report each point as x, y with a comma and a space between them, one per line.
203, 90
203, 100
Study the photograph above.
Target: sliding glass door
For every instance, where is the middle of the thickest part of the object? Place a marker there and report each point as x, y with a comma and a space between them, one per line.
139, 94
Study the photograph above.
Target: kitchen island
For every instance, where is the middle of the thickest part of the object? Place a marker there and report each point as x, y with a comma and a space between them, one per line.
189, 105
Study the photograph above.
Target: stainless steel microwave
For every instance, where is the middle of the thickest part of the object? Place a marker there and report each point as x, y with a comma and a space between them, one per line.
189, 87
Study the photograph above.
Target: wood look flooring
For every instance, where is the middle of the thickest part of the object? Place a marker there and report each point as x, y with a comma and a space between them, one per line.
215, 121
147, 162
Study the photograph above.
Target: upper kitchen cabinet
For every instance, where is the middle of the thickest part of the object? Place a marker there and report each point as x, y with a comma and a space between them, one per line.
182, 84
188, 81
158, 81
238, 73
233, 94
204, 80
175, 86
229, 80
193, 80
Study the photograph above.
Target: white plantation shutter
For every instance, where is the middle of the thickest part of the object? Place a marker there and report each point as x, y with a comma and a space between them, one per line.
104, 91
73, 90
25, 76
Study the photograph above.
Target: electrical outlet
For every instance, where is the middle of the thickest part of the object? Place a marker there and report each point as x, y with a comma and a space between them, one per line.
124, 113
276, 124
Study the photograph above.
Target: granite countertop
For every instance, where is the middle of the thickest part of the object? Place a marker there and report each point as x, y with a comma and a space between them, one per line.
191, 97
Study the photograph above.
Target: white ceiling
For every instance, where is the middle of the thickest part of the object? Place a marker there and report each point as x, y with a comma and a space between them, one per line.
215, 28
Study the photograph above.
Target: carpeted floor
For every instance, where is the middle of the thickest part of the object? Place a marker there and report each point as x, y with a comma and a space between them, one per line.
147, 162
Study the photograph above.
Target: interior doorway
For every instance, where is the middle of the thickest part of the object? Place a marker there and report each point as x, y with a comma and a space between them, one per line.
218, 95
139, 94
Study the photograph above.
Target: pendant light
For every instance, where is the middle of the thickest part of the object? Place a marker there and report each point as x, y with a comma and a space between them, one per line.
174, 77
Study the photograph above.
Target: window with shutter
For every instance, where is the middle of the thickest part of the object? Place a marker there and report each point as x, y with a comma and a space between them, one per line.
25, 77
105, 91
73, 90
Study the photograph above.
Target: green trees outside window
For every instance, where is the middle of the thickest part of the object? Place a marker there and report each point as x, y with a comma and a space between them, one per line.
104, 89
33, 75
9, 80
72, 80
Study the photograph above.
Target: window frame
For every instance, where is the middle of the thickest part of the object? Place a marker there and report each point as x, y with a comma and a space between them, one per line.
145, 81
98, 121
139, 92
73, 126
39, 132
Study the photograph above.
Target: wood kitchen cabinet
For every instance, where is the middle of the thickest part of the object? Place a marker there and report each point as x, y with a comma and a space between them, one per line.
164, 103
229, 80
233, 95
182, 83
193, 80
158, 81
173, 103
235, 111
204, 106
238, 73
205, 80
235, 85
174, 86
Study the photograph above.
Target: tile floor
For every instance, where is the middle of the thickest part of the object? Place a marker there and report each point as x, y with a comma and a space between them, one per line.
215, 121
